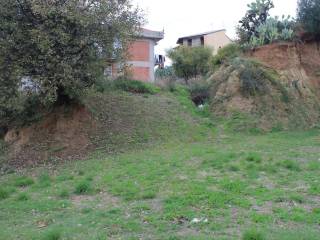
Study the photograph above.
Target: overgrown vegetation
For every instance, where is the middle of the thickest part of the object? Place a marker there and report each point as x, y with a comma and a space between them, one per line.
51, 51
190, 62
257, 28
200, 92
308, 16
256, 15
127, 85
225, 54
134, 86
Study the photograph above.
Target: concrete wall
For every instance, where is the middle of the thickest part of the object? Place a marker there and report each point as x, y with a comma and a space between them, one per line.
217, 40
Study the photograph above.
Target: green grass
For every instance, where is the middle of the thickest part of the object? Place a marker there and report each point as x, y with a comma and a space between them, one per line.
4, 193
236, 181
253, 234
241, 185
83, 187
23, 181
54, 234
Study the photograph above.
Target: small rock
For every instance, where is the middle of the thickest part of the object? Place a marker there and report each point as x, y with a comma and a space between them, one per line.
196, 220
199, 220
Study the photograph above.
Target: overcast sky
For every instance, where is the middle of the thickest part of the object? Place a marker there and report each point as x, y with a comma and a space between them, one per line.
182, 17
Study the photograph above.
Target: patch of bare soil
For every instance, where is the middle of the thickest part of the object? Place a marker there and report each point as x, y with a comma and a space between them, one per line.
301, 62
102, 200
63, 134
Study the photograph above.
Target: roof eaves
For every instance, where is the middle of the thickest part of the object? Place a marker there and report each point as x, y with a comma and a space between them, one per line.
180, 40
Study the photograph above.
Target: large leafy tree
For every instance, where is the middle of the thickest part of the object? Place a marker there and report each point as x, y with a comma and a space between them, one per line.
256, 15
309, 16
190, 62
54, 49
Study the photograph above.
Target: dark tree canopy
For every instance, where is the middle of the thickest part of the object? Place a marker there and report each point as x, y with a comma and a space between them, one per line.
309, 16
55, 49
256, 15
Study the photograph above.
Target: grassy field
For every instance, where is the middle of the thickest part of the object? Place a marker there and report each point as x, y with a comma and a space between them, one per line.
212, 184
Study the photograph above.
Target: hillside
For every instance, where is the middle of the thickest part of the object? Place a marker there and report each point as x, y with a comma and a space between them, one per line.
125, 165
109, 122
274, 86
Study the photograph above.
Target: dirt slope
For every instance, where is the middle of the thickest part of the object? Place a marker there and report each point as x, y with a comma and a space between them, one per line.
110, 122
295, 62
274, 86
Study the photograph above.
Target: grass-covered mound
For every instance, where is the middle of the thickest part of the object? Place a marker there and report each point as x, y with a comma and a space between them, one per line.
112, 117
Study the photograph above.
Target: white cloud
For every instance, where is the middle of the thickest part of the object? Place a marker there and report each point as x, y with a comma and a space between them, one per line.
179, 18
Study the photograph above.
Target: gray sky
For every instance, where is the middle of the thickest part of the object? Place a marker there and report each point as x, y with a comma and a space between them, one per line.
179, 18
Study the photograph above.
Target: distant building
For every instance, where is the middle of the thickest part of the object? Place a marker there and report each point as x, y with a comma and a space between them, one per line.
141, 57
215, 39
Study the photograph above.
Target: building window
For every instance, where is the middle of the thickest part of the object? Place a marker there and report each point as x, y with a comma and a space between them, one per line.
189, 42
202, 41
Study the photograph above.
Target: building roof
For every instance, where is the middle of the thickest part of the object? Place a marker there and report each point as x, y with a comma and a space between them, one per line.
180, 40
155, 35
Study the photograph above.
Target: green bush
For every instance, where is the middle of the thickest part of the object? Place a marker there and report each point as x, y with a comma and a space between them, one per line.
83, 187
253, 80
254, 157
58, 57
23, 197
291, 165
308, 16
23, 181
4, 193
54, 234
167, 72
190, 62
134, 86
226, 53
253, 234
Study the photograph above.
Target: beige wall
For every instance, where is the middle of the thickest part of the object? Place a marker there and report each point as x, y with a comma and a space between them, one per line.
216, 40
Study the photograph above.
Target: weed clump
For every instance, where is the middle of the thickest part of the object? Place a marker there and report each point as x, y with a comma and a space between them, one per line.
64, 193
254, 157
44, 180
226, 53
53, 235
23, 197
291, 165
253, 234
23, 181
83, 187
4, 193
134, 86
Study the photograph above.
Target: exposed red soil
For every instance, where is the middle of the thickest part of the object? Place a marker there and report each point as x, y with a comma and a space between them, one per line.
290, 56
61, 134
